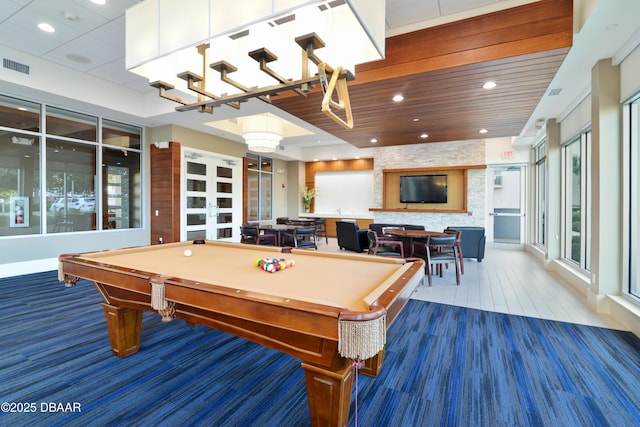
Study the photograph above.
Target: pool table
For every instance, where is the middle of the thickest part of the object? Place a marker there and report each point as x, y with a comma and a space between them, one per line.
296, 310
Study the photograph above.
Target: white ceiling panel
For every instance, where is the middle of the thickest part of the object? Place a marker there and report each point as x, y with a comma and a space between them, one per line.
112, 33
448, 7
70, 14
85, 53
24, 39
111, 10
9, 7
406, 12
118, 74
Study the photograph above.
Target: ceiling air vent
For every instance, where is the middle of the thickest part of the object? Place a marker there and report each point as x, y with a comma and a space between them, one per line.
554, 92
15, 66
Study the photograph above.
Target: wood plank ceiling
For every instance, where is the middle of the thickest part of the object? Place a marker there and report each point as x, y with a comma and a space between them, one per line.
440, 72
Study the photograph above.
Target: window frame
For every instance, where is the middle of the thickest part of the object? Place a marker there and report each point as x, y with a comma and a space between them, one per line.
631, 121
584, 245
540, 194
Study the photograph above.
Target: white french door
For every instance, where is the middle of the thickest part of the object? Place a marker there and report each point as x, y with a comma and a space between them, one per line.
212, 197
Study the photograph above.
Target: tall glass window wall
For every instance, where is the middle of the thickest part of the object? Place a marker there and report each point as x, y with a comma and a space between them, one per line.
634, 198
75, 194
540, 193
259, 188
577, 194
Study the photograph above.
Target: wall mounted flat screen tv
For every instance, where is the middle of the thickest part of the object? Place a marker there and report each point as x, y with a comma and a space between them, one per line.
423, 189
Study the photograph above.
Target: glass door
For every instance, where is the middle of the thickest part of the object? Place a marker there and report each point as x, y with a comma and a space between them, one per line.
212, 198
507, 205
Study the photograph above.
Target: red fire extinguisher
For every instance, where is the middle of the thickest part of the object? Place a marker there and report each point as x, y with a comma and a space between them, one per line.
19, 214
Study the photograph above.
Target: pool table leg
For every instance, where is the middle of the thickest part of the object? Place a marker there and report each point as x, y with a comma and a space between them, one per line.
373, 365
124, 326
329, 395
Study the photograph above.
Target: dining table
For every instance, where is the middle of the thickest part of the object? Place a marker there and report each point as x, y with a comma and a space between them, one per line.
410, 237
279, 230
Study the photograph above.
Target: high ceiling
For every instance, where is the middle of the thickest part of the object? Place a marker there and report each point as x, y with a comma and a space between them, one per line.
438, 54
440, 72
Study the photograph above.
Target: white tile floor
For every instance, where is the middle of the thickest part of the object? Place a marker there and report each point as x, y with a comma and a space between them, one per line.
510, 282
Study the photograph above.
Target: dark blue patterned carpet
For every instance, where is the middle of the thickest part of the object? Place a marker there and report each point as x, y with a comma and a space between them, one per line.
444, 366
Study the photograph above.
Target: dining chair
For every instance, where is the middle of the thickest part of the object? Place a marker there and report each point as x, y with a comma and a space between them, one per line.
440, 250
301, 237
458, 234
384, 247
321, 229
385, 229
250, 234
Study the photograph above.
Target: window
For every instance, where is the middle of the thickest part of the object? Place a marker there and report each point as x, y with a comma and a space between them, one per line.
71, 125
121, 200
634, 198
20, 194
71, 177
540, 193
19, 180
73, 143
122, 178
577, 193
259, 188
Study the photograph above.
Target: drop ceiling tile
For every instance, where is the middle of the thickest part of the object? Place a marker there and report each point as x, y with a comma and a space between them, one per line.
25, 39
407, 12
74, 54
454, 6
28, 20
112, 33
115, 72
111, 10
9, 7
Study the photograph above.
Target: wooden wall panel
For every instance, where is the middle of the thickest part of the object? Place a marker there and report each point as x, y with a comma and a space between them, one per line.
165, 193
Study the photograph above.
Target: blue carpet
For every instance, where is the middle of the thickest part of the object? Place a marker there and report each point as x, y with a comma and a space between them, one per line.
444, 366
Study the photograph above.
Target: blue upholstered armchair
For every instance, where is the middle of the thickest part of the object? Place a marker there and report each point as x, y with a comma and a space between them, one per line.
351, 237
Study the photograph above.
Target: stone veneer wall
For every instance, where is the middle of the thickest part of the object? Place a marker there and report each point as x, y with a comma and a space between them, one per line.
434, 155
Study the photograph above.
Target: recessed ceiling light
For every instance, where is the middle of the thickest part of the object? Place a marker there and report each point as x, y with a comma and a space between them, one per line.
356, 157
489, 85
398, 98
373, 140
47, 28
424, 136
99, 1
483, 131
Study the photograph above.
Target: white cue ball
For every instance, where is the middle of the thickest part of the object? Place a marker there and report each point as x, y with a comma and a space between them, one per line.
187, 252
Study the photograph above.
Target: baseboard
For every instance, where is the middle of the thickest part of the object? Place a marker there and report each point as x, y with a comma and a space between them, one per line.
625, 312
28, 267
